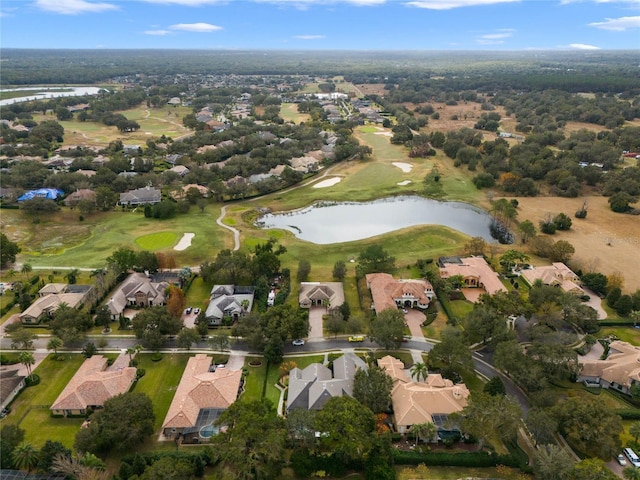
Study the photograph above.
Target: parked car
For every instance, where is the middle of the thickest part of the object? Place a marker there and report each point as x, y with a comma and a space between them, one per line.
405, 311
188, 310
621, 460
356, 338
297, 342
196, 311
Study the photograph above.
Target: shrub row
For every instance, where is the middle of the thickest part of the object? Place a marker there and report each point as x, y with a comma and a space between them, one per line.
629, 414
451, 459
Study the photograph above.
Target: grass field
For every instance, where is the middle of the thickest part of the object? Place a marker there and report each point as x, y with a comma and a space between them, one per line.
30, 410
161, 380
154, 122
289, 112
157, 241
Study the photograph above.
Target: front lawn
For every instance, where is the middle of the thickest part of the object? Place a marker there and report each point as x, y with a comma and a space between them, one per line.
254, 381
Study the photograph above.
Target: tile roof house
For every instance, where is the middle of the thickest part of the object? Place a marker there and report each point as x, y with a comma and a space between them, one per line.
203, 393
321, 294
11, 383
93, 384
620, 370
141, 196
431, 401
180, 170
475, 271
79, 195
136, 290
52, 295
314, 385
229, 301
387, 292
557, 275
182, 193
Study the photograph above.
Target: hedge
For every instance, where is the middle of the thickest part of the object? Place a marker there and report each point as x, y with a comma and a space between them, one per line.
451, 459
628, 414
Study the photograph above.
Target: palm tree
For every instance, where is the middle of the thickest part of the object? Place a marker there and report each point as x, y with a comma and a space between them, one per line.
425, 431
25, 270
77, 468
72, 275
131, 350
25, 456
54, 344
630, 472
634, 429
27, 359
418, 370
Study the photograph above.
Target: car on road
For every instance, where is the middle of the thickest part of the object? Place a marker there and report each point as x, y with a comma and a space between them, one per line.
297, 342
621, 460
356, 338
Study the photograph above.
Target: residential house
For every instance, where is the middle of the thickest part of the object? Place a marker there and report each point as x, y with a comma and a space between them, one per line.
94, 383
11, 383
620, 370
321, 294
387, 292
314, 385
182, 193
431, 401
203, 394
52, 295
230, 301
557, 275
140, 196
475, 272
180, 170
83, 194
137, 290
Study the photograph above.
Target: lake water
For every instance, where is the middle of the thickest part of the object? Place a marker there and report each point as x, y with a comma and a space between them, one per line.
332, 222
38, 93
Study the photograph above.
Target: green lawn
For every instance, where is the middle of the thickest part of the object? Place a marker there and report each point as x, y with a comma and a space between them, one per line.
198, 293
157, 241
161, 380
30, 409
254, 381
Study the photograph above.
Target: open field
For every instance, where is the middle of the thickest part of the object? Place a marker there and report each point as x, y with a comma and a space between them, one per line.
289, 112
154, 122
604, 241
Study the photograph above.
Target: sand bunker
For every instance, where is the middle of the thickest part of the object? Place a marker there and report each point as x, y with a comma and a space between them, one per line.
386, 134
405, 167
404, 182
185, 241
327, 183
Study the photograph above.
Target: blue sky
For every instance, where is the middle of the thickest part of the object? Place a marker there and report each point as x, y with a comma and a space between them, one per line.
322, 24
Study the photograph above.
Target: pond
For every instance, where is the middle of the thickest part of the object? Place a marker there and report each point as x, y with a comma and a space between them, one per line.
332, 222
38, 93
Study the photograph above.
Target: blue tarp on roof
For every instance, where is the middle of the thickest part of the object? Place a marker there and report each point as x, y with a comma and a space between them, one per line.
50, 193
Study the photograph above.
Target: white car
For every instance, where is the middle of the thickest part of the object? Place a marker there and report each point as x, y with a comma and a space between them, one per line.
621, 460
405, 311
298, 342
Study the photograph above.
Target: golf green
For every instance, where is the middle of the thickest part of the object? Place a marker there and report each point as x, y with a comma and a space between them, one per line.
157, 241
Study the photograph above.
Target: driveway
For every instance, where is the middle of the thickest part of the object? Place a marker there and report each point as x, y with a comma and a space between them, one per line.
315, 321
415, 319
595, 302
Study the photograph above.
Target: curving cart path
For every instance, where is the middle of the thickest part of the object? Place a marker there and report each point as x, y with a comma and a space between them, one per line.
236, 232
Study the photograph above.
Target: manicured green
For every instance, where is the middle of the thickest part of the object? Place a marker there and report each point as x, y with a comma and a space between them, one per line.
198, 293
157, 241
255, 380
161, 380
30, 409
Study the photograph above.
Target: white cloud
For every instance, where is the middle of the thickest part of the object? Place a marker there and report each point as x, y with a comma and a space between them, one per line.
582, 46
495, 38
74, 7
451, 4
188, 3
618, 24
195, 27
309, 37
157, 32
567, 2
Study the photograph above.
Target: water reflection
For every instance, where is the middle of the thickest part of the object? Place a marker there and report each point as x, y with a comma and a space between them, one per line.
333, 222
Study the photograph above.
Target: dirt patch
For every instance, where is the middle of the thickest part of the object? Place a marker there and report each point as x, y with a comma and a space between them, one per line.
605, 241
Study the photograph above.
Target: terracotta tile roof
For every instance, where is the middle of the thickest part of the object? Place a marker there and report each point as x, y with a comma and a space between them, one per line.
555, 274
93, 384
386, 290
475, 267
622, 366
417, 402
199, 388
